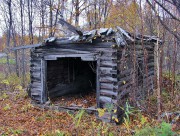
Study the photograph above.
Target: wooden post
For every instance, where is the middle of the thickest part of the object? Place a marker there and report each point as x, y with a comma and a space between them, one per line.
97, 83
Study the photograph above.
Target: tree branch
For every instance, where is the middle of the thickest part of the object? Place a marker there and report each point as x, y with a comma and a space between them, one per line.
174, 17
165, 26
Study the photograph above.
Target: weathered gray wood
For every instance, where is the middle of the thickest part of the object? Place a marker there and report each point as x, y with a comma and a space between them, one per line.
108, 64
106, 70
36, 83
37, 79
35, 69
108, 86
108, 79
108, 92
35, 94
35, 87
43, 81
105, 99
26, 47
98, 83
87, 57
113, 81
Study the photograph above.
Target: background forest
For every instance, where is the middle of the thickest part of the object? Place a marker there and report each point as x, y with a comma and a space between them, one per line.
25, 22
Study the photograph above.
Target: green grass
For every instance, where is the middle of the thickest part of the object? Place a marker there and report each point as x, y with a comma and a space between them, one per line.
4, 61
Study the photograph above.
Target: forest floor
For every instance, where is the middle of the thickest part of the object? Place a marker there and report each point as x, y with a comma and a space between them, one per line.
19, 117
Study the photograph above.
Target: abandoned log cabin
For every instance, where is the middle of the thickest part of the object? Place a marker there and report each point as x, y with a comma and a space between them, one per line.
113, 63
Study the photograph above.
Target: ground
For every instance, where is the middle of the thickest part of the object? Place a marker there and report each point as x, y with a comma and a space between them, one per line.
18, 116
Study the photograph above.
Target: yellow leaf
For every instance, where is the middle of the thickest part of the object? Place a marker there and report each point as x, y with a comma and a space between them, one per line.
116, 119
101, 112
124, 82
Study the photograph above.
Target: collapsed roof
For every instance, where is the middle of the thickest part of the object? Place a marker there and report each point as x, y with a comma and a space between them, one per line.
118, 35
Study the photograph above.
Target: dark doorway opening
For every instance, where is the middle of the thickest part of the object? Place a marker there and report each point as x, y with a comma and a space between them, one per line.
71, 78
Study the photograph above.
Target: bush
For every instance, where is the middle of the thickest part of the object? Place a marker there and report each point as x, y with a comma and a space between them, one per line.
164, 129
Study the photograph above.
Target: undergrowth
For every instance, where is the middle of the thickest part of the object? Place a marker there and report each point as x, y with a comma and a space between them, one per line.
136, 122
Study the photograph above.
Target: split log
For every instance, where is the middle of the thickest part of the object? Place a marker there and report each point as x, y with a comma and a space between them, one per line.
108, 93
105, 99
107, 79
108, 86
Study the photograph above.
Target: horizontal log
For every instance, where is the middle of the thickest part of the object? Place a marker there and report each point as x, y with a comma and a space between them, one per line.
35, 64
35, 90
73, 51
106, 70
35, 69
35, 79
36, 74
83, 45
36, 87
107, 79
35, 94
36, 83
105, 99
64, 108
108, 86
108, 64
114, 59
108, 93
108, 54
83, 56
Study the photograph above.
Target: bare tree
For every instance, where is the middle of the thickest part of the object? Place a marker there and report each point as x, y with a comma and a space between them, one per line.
163, 4
9, 28
30, 18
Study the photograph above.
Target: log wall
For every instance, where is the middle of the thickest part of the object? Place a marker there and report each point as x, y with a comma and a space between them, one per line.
119, 72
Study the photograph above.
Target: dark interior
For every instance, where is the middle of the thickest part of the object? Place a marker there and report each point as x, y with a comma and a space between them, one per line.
70, 76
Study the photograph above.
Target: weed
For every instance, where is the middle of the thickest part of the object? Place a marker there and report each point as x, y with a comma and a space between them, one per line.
7, 107
40, 118
26, 107
59, 133
77, 117
16, 131
4, 96
129, 110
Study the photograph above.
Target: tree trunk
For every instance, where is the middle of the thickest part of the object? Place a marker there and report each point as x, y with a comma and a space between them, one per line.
30, 10
9, 31
22, 43
77, 13
50, 18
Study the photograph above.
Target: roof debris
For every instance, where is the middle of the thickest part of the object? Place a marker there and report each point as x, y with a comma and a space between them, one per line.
119, 36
